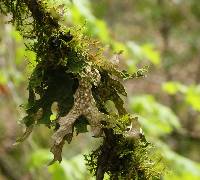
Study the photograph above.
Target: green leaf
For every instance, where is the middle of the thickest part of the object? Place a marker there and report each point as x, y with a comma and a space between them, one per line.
151, 54
73, 168
180, 167
193, 97
172, 87
155, 118
3, 77
145, 51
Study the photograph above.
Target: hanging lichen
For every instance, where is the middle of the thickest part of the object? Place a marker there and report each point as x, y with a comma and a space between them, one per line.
72, 73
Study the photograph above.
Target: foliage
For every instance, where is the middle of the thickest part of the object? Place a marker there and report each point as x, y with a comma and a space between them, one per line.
157, 119
68, 169
191, 93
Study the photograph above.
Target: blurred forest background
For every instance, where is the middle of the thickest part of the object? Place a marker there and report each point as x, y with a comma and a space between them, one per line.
163, 34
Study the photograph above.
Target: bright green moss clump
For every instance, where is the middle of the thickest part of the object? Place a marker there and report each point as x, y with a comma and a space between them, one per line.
73, 81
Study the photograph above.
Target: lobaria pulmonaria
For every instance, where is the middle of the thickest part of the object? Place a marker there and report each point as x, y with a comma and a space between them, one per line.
72, 72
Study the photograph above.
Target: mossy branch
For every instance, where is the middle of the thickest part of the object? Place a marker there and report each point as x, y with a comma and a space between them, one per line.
72, 73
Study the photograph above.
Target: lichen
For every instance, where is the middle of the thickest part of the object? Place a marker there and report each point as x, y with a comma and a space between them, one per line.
72, 71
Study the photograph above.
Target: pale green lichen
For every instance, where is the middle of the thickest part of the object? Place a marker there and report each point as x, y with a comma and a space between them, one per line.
84, 105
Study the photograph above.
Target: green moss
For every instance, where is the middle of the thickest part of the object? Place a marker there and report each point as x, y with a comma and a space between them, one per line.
123, 158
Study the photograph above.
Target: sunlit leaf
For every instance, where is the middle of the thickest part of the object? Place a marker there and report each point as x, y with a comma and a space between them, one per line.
73, 168
151, 54
3, 77
155, 118
172, 87
193, 97
179, 166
